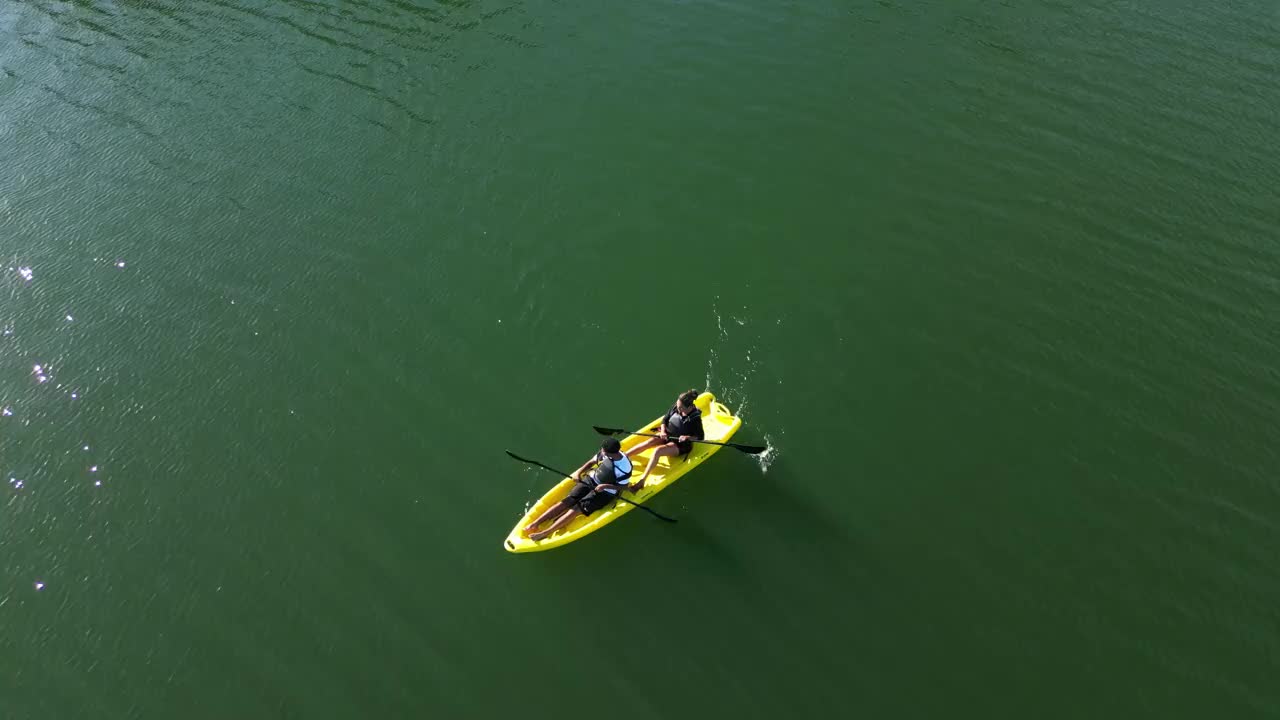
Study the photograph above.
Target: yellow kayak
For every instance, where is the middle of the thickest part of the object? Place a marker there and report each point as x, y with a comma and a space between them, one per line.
718, 424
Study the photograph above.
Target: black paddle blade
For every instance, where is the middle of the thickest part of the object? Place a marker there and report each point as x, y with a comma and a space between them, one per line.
514, 456
648, 509
661, 516
607, 431
751, 449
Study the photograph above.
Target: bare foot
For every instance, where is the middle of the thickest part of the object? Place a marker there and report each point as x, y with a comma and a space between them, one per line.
528, 529
538, 535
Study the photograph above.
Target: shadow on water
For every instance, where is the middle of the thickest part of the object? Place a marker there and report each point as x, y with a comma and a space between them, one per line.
769, 529
763, 534
753, 502
755, 562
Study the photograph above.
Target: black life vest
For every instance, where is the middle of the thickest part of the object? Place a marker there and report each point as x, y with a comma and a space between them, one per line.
678, 424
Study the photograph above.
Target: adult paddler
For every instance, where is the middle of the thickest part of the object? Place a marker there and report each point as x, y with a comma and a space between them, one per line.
592, 490
680, 427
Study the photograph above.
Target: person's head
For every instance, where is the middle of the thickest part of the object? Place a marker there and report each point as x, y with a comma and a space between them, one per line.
611, 446
684, 403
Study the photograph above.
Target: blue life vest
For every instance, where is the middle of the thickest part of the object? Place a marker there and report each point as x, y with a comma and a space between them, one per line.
613, 472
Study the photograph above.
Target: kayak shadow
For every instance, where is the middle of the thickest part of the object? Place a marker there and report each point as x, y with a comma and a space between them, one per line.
731, 509
748, 550
725, 512
743, 496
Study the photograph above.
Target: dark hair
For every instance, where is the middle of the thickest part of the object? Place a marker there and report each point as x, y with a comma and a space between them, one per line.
611, 445
687, 398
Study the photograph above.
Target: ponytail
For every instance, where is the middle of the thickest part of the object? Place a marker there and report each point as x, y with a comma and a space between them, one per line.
687, 398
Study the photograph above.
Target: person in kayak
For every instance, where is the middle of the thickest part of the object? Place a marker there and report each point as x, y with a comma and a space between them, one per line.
681, 426
593, 490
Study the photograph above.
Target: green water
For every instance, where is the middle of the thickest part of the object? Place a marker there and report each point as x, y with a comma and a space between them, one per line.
998, 284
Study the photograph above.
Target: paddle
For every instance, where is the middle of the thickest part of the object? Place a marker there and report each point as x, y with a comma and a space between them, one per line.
646, 508
748, 449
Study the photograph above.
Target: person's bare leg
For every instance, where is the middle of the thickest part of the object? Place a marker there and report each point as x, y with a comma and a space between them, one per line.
551, 512
665, 451
648, 443
565, 519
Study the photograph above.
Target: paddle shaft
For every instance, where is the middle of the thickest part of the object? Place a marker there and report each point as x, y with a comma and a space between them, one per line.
749, 449
618, 495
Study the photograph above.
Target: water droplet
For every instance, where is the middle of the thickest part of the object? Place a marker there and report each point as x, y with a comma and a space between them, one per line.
93, 469
25, 273
119, 263
97, 483
39, 586
69, 318
6, 412
85, 448
41, 378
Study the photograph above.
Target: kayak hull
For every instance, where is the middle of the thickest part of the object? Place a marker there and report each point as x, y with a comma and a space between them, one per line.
718, 424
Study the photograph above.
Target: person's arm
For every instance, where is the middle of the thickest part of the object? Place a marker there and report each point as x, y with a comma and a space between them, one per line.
578, 473
608, 486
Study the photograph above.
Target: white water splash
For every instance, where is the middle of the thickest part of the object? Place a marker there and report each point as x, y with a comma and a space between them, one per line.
766, 458
713, 352
738, 361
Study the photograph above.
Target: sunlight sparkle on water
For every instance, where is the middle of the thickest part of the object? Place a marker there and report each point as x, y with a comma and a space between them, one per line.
26, 273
